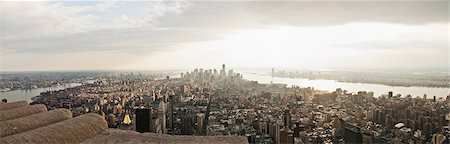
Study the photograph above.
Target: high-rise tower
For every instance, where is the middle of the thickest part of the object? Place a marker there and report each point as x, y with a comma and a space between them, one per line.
223, 73
287, 118
273, 74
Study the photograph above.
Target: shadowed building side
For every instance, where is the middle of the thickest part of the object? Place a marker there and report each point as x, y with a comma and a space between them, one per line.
13, 105
18, 125
73, 130
21, 112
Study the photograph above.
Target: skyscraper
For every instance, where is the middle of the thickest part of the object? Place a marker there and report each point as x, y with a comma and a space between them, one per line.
200, 123
287, 118
186, 124
223, 73
143, 117
205, 125
352, 134
273, 72
171, 98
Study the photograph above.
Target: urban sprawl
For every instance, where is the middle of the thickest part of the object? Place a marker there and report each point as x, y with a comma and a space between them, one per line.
220, 102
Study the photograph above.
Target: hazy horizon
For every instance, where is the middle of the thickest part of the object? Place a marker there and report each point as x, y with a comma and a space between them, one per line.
169, 35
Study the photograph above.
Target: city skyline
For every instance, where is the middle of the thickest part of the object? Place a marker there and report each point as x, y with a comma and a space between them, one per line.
225, 72
167, 35
210, 106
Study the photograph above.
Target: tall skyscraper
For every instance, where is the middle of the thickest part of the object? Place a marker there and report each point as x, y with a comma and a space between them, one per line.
171, 98
206, 122
286, 136
200, 123
143, 117
223, 72
287, 118
162, 116
390, 94
186, 124
273, 72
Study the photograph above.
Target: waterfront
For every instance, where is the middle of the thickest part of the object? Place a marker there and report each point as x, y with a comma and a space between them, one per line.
18, 95
328, 85
331, 85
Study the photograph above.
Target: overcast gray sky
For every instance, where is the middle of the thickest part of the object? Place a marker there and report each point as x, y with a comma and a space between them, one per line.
161, 35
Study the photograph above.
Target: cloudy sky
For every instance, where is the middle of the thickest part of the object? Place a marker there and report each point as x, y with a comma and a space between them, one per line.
167, 35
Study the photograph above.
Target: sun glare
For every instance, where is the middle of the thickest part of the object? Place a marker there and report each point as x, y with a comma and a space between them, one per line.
299, 47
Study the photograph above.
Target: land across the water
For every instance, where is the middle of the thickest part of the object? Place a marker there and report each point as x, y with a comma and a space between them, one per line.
332, 85
405, 79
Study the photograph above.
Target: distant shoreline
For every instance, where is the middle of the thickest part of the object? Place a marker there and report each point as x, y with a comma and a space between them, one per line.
37, 87
371, 82
400, 79
400, 85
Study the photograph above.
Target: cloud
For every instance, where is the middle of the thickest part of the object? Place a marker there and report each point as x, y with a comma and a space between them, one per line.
58, 19
45, 25
135, 41
23, 20
55, 27
341, 12
255, 14
138, 28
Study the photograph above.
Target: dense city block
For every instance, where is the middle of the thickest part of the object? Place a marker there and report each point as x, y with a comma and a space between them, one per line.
212, 102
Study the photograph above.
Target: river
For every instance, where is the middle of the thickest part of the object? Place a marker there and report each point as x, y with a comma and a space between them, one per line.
331, 85
18, 95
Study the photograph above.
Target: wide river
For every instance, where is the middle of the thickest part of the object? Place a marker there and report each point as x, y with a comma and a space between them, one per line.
331, 85
18, 95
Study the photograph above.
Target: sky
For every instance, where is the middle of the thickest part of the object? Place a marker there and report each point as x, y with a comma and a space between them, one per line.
168, 35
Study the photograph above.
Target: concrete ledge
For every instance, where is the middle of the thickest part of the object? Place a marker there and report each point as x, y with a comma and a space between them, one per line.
21, 112
13, 105
72, 130
18, 125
